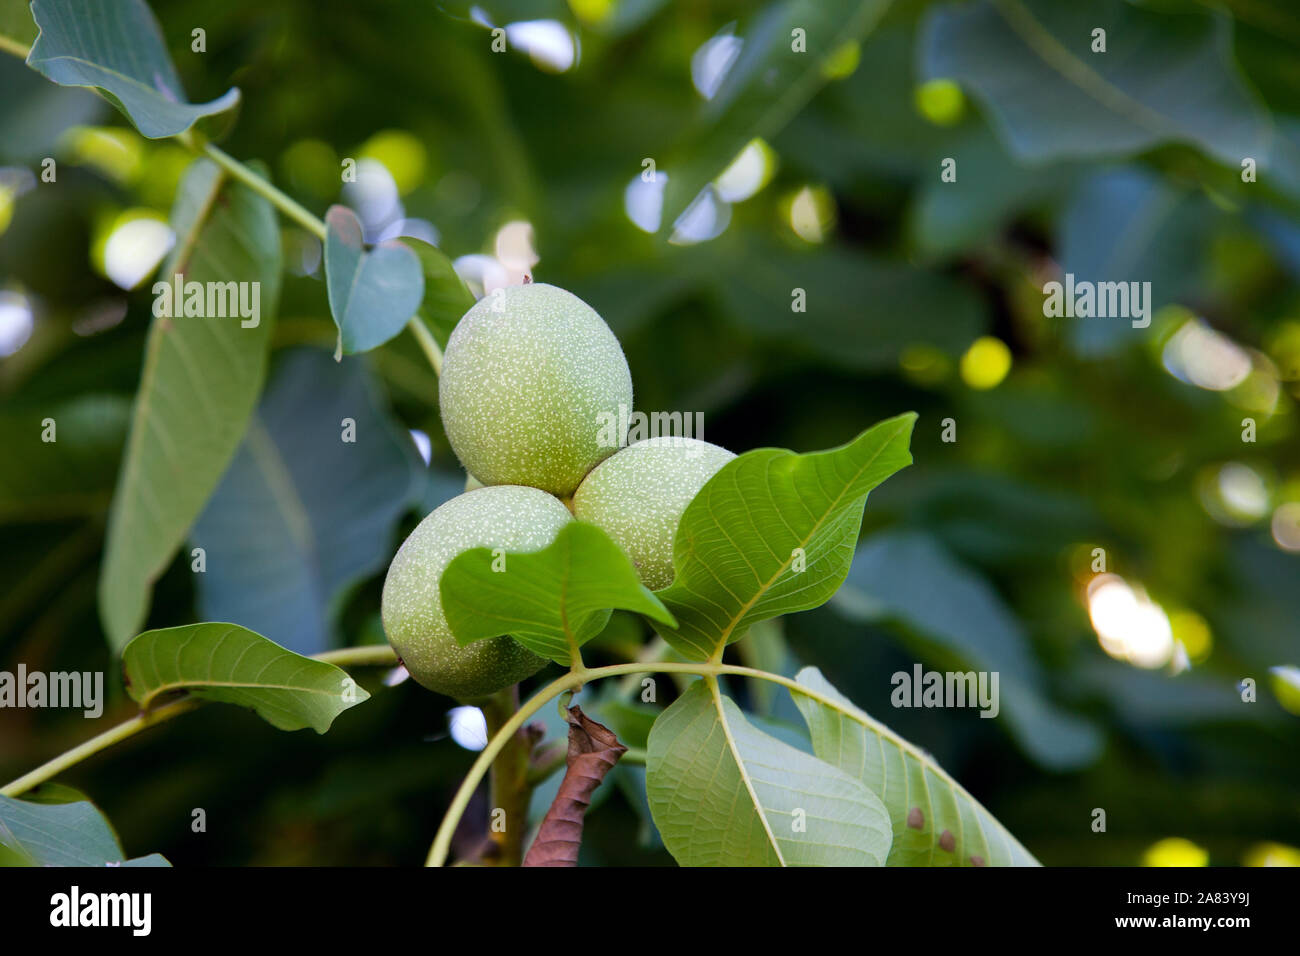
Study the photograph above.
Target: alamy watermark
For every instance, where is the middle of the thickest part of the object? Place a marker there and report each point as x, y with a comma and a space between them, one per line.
209, 300
923, 688
1103, 300
79, 690
628, 427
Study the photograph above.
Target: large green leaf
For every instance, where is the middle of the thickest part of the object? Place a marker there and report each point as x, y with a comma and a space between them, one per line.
551, 601
773, 532
229, 663
117, 48
200, 382
769, 82
1165, 77
950, 611
60, 834
723, 793
301, 514
935, 821
372, 292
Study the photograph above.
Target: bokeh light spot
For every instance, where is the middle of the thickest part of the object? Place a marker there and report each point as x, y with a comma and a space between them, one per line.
1271, 854
1192, 632
1200, 356
1286, 526
843, 61
1175, 851
116, 153
16, 322
712, 61
940, 101
812, 213
1130, 627
468, 727
422, 444
401, 154
514, 246
1285, 681
750, 171
548, 43
134, 246
986, 363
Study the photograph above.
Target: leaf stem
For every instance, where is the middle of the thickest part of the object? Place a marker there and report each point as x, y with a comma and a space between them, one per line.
9, 45
286, 204
377, 655
510, 787
367, 655
301, 215
427, 343
109, 737
573, 681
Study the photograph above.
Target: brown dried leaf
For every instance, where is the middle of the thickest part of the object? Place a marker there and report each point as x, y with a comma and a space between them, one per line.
593, 751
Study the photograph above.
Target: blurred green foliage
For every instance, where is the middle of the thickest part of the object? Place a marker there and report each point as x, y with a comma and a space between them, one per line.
1081, 434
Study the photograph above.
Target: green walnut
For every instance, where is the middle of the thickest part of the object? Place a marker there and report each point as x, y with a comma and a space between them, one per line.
503, 516
638, 496
531, 379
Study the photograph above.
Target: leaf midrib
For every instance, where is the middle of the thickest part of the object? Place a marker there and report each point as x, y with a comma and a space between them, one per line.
781, 569
883, 733
716, 694
203, 685
1038, 39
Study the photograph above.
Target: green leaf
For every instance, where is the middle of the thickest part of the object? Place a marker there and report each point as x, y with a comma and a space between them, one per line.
935, 821
723, 793
117, 48
551, 601
1165, 77
60, 834
300, 514
950, 611
229, 663
446, 297
70, 476
743, 539
769, 82
200, 383
373, 293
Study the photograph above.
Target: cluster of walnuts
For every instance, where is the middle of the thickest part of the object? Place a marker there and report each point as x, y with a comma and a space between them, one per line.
529, 375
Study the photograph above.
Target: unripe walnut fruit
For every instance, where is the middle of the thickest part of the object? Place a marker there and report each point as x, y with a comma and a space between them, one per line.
503, 516
637, 497
530, 376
